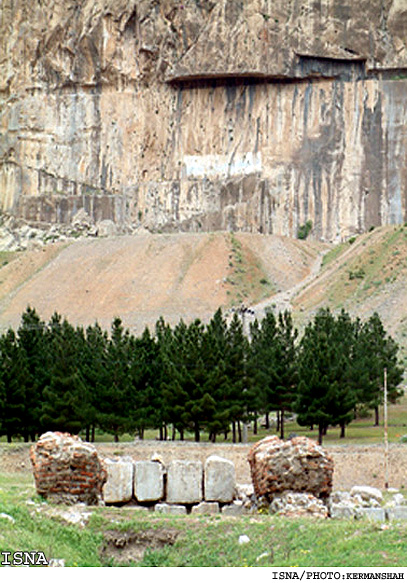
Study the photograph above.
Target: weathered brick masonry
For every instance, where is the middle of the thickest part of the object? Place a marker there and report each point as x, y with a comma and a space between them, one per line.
66, 469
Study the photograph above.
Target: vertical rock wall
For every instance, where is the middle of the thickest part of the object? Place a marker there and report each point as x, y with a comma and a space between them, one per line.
254, 116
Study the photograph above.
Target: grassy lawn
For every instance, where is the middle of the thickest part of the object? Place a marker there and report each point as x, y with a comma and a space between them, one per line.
195, 541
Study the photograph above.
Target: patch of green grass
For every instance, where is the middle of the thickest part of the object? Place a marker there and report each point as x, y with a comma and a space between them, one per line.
358, 273
7, 256
334, 253
376, 261
245, 274
199, 541
24, 527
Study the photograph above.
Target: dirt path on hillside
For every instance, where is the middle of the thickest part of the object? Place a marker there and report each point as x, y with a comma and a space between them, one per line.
282, 301
354, 465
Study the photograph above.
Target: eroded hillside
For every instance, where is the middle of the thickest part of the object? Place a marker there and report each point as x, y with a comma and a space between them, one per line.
364, 275
140, 278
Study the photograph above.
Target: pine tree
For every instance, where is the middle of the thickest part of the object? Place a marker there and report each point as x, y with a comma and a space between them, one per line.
284, 359
114, 391
64, 398
31, 339
325, 393
376, 351
92, 363
261, 365
215, 354
13, 379
237, 395
273, 365
145, 373
186, 388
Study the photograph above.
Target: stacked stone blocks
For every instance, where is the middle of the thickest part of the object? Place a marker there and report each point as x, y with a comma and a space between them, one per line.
184, 485
67, 470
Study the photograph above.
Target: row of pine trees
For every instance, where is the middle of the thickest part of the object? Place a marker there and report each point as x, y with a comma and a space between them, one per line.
192, 377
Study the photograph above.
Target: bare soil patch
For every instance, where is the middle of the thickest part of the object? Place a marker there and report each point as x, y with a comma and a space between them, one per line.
124, 547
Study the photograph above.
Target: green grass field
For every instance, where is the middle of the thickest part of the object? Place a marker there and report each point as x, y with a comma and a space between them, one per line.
199, 541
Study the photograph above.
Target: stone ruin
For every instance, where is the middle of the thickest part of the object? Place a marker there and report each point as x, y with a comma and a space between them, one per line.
181, 487
296, 465
67, 470
289, 478
293, 477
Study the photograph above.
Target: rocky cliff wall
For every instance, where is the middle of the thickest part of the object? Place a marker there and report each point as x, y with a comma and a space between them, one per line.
205, 115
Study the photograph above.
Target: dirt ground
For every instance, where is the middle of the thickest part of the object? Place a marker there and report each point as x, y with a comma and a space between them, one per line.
354, 465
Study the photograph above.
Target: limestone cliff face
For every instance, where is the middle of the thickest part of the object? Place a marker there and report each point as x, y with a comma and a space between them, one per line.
253, 115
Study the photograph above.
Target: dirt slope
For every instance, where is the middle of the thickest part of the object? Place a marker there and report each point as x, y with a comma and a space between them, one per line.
186, 275
140, 278
365, 276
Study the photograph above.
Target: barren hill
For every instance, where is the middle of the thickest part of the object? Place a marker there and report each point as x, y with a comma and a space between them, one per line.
140, 278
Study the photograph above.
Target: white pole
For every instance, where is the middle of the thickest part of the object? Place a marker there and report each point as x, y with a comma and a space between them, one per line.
386, 441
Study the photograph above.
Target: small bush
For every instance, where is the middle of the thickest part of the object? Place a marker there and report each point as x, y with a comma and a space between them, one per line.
304, 230
357, 274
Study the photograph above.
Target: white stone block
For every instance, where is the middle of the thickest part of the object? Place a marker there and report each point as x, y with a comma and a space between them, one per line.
399, 500
206, 508
164, 508
184, 482
373, 514
397, 513
220, 479
119, 485
234, 509
342, 511
148, 481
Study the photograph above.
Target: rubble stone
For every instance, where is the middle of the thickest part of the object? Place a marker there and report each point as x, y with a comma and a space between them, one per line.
164, 508
342, 510
206, 508
297, 465
67, 470
106, 228
367, 493
297, 504
234, 509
